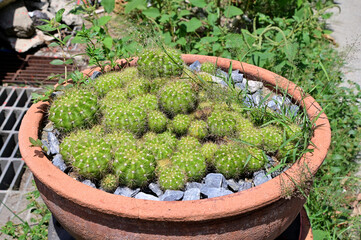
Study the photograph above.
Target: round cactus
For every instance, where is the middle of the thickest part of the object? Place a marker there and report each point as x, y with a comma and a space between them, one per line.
188, 143
272, 138
222, 123
157, 121
160, 63
120, 140
130, 118
169, 139
204, 77
137, 87
109, 182
134, 167
204, 110
158, 147
113, 98
256, 160
129, 74
108, 81
157, 83
287, 152
177, 97
198, 129
293, 131
172, 178
180, 124
208, 67
230, 160
163, 164
251, 135
91, 159
208, 150
75, 108
243, 124
191, 162
147, 102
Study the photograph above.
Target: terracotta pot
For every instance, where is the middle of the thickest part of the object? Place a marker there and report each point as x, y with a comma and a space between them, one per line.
262, 212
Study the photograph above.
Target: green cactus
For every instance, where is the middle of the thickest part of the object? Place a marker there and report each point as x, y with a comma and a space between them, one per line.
256, 159
172, 178
135, 167
272, 138
208, 150
127, 117
286, 153
120, 140
169, 138
198, 129
293, 131
157, 121
204, 110
137, 87
180, 124
177, 97
107, 82
147, 102
128, 74
157, 146
230, 160
75, 108
251, 135
191, 162
208, 67
242, 123
222, 123
109, 182
204, 76
112, 98
160, 63
157, 83
188, 143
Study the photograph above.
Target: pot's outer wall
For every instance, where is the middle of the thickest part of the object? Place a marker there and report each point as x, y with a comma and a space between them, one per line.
261, 212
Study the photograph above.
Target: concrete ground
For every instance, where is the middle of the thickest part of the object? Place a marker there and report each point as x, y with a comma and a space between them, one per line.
346, 25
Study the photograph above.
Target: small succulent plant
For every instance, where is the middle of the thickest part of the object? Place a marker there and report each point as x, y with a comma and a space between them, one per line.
172, 178
109, 182
208, 67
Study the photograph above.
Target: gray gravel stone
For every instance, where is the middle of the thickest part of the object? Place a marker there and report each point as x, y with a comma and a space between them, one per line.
292, 110
192, 194
252, 100
222, 74
89, 183
260, 177
233, 185
172, 195
273, 105
95, 75
53, 143
214, 192
190, 185
59, 162
196, 66
145, 196
237, 77
156, 189
254, 86
240, 86
243, 185
270, 162
127, 192
215, 180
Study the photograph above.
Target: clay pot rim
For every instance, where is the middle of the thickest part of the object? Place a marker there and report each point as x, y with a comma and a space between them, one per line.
197, 210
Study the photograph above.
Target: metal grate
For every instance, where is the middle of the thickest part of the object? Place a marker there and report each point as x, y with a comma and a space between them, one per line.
15, 178
33, 70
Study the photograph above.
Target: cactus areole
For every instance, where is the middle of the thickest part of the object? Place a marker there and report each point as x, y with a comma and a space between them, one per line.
262, 212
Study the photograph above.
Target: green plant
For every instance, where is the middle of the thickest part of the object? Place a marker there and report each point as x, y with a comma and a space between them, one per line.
66, 113
198, 129
180, 124
221, 123
191, 162
172, 178
38, 226
230, 160
109, 182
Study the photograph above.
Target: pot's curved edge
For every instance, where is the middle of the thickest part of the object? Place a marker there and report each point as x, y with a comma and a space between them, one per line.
198, 210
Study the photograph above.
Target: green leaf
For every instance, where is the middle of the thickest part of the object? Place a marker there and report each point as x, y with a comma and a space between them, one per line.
66, 38
68, 61
151, 12
182, 41
198, 3
183, 13
79, 40
232, 11
35, 143
135, 4
193, 25
103, 20
319, 235
57, 62
108, 5
59, 15
46, 28
108, 42
53, 44
212, 18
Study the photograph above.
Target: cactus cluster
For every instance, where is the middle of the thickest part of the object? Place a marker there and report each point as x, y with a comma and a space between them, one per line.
154, 125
